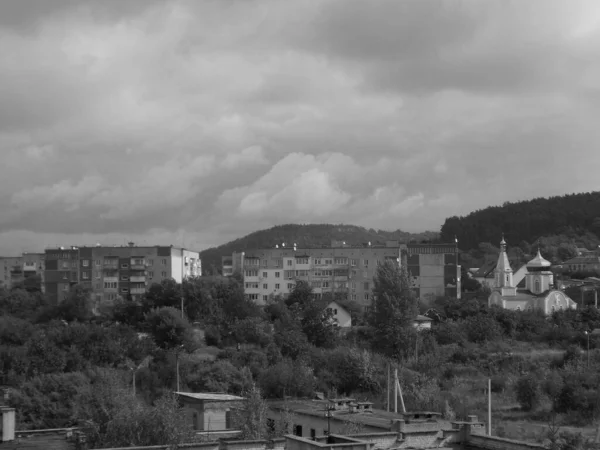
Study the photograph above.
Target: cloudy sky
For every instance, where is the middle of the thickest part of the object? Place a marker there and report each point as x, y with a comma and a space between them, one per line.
201, 121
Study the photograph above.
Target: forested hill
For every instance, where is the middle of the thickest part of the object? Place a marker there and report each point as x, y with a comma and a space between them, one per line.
571, 215
307, 236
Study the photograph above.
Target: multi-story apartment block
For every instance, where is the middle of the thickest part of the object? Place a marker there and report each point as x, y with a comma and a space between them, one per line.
15, 269
343, 268
112, 272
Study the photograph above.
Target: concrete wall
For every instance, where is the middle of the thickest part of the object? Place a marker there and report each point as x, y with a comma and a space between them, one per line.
481, 442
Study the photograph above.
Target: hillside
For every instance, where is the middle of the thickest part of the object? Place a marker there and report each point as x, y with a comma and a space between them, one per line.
576, 216
307, 236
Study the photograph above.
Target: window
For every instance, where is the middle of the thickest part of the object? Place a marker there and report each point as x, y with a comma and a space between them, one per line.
298, 430
277, 274
290, 285
253, 296
353, 262
537, 286
265, 263
301, 260
328, 261
124, 289
265, 274
313, 433
150, 274
276, 286
98, 262
85, 275
265, 298
325, 284
353, 297
150, 262
98, 285
278, 263
289, 262
251, 273
251, 285
317, 261
342, 261
366, 296
110, 285
353, 285
64, 264
288, 274
335, 311
366, 262
85, 263
74, 264
265, 286
366, 286
163, 274
66, 288
65, 275
124, 278
124, 266
98, 275
163, 261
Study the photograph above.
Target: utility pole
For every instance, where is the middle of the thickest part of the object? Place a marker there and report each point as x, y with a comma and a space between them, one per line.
489, 406
396, 390
388, 388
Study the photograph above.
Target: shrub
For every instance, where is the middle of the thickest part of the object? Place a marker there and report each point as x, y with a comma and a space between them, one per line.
528, 392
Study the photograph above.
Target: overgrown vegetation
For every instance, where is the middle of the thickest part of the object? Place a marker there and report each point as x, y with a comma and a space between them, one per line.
74, 364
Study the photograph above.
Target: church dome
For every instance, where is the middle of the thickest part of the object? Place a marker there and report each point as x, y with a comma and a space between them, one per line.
539, 261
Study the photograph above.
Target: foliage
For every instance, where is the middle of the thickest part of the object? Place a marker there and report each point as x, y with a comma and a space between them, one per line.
169, 329
394, 308
251, 419
571, 215
528, 392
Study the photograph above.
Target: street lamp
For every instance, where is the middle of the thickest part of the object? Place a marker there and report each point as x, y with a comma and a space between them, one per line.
588, 348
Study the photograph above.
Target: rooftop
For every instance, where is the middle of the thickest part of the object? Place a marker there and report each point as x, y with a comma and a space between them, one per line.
212, 397
376, 418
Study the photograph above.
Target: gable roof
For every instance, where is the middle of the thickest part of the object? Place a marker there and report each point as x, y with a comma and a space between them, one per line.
210, 396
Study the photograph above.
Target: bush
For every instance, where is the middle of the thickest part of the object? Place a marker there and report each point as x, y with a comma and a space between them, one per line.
528, 392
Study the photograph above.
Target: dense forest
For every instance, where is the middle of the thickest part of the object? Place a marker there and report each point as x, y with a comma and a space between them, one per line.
74, 364
575, 216
306, 236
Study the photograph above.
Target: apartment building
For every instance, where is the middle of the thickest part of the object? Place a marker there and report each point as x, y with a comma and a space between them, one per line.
15, 269
344, 268
112, 272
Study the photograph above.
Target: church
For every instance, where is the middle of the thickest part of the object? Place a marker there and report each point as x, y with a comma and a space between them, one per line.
539, 292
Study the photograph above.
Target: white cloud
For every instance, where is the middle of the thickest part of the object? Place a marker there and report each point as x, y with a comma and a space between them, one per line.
248, 156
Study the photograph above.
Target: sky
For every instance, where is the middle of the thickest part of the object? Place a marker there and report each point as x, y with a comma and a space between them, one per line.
196, 122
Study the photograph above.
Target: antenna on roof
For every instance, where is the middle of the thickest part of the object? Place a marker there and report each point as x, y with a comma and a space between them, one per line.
276, 245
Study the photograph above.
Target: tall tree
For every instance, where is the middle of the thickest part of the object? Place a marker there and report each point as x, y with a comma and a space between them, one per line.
394, 308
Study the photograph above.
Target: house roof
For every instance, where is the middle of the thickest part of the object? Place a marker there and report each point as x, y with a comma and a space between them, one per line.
421, 318
583, 260
210, 396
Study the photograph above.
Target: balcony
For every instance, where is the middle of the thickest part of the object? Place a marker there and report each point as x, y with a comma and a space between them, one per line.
137, 291
138, 266
110, 268
137, 279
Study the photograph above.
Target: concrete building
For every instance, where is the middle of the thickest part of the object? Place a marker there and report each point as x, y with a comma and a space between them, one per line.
539, 292
16, 269
342, 268
209, 412
112, 272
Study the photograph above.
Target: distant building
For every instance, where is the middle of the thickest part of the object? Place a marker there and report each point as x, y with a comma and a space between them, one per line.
16, 269
341, 317
585, 263
486, 275
113, 272
342, 268
539, 292
209, 412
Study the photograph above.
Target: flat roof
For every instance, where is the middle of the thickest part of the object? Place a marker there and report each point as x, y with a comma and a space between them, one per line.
213, 397
376, 418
